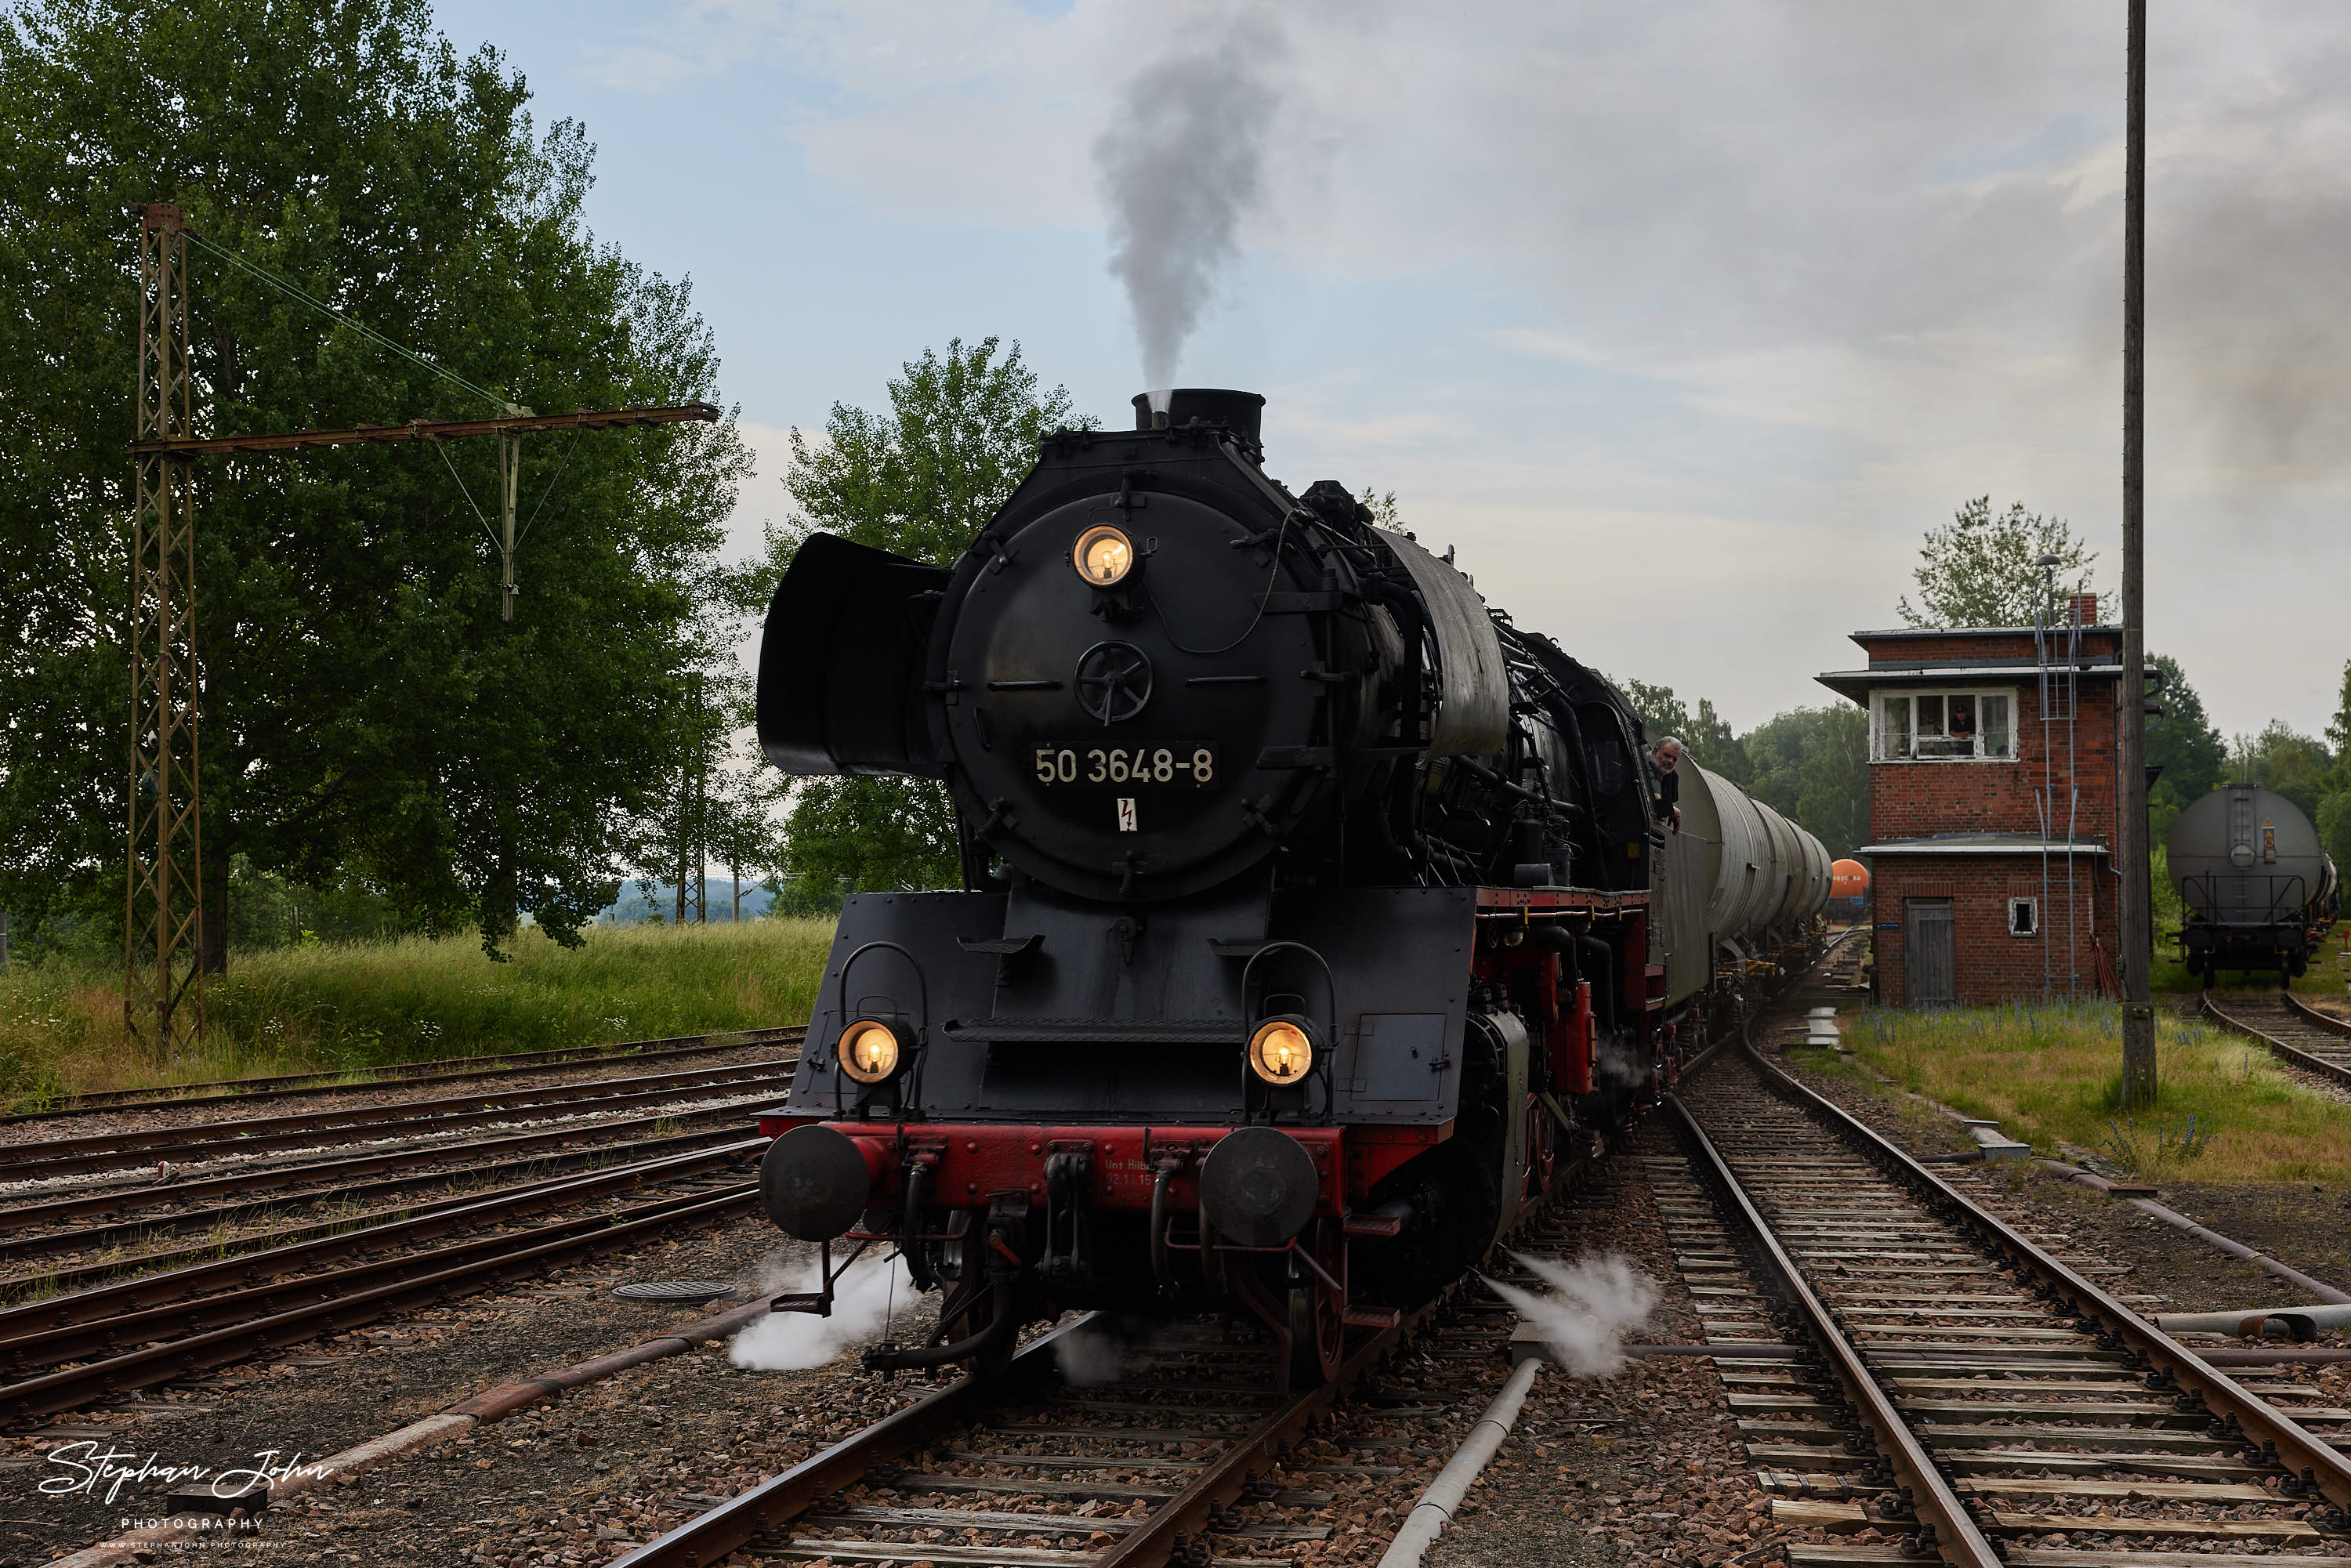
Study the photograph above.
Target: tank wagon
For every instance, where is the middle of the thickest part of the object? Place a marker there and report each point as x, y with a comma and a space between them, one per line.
1848, 889
2259, 893
1312, 912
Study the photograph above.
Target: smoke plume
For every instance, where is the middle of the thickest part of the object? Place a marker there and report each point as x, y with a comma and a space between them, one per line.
863, 1297
1181, 165
1594, 1304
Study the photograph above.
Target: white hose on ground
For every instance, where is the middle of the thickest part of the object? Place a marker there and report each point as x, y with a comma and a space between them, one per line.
1435, 1509
2275, 1323
2172, 1216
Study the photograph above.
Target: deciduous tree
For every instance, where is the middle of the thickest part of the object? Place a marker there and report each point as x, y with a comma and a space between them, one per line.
1983, 571
920, 479
366, 712
1704, 733
2181, 741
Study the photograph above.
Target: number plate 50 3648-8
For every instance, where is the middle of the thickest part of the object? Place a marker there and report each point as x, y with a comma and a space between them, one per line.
1124, 767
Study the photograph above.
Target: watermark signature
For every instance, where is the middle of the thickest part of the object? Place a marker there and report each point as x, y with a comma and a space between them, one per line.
86, 1468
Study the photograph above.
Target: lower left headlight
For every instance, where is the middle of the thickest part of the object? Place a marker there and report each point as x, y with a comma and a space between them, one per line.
1282, 1050
872, 1050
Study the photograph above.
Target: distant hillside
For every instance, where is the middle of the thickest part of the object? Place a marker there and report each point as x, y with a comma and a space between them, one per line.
641, 901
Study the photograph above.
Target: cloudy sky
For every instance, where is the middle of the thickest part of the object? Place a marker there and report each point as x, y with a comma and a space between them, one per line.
1682, 322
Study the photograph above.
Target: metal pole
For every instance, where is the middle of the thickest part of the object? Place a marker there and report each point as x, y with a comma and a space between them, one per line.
509, 473
2137, 936
163, 934
685, 853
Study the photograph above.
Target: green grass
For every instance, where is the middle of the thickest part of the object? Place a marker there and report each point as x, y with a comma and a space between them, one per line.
2053, 1074
323, 1008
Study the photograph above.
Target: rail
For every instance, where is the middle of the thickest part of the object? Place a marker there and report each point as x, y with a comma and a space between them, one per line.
453, 1070
757, 1514
2303, 1455
1947, 1529
2293, 1014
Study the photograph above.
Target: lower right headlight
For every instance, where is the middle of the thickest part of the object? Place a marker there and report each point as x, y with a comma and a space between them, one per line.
1281, 1051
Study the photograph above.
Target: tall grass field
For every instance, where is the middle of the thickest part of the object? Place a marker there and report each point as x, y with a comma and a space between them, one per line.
2053, 1074
326, 1008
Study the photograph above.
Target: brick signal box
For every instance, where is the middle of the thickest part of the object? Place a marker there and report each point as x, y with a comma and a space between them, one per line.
1994, 786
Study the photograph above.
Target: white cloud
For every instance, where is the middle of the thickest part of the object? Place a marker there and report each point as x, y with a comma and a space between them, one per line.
1791, 281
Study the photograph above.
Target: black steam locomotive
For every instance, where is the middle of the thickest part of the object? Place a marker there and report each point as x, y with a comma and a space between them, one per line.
1312, 911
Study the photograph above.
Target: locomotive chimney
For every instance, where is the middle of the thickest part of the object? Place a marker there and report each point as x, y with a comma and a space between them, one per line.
1242, 412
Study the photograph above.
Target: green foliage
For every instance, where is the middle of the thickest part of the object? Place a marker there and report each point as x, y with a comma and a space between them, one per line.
2296, 766
1384, 510
366, 714
266, 911
1811, 765
2140, 1150
320, 1007
1980, 570
871, 834
1703, 733
2333, 823
2184, 744
921, 480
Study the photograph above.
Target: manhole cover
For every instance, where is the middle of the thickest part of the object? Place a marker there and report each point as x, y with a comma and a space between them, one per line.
673, 1291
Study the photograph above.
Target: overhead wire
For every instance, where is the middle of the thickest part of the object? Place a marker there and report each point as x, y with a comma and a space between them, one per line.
296, 292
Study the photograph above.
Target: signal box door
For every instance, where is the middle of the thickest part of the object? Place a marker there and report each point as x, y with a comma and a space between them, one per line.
1929, 969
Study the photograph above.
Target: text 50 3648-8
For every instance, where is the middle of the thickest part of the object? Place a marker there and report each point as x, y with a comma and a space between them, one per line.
1124, 767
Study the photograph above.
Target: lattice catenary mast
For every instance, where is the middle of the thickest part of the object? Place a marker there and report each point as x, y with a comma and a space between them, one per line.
163, 998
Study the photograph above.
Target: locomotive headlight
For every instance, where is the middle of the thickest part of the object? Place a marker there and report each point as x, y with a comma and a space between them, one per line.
869, 1051
1281, 1051
1103, 555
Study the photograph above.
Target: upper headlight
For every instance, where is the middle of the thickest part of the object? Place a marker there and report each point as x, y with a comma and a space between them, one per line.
1103, 555
1281, 1051
869, 1051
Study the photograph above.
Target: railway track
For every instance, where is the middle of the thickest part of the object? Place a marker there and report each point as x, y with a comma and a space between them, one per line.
2295, 1032
1900, 1359
49, 1158
112, 1306
452, 1070
1189, 1455
1191, 1461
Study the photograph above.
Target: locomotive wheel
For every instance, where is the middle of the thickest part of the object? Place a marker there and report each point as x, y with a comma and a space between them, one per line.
981, 1311
1542, 1148
1317, 1314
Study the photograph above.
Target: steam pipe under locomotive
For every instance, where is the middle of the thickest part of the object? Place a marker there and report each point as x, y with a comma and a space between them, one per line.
1310, 912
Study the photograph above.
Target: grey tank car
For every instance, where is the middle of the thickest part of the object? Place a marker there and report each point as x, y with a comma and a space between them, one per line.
2259, 893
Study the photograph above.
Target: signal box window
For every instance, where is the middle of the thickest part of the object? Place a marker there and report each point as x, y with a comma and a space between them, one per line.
1943, 727
2024, 917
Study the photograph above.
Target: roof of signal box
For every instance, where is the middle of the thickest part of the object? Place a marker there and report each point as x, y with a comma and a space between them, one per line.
1903, 670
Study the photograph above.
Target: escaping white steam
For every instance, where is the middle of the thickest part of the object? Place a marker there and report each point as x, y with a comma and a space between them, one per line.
867, 1293
1182, 161
1093, 1356
1595, 1303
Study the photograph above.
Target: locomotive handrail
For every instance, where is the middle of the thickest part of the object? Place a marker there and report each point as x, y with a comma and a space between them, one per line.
840, 1009
1330, 1007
